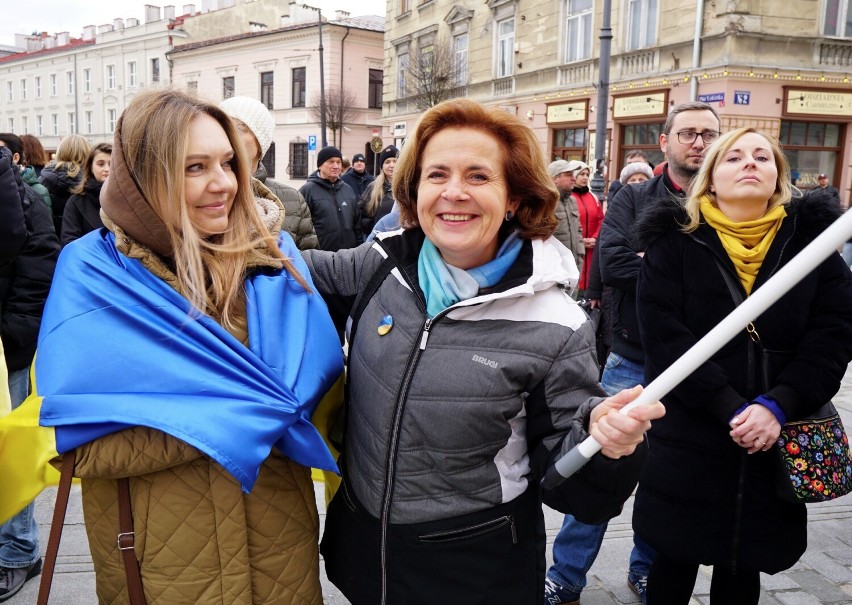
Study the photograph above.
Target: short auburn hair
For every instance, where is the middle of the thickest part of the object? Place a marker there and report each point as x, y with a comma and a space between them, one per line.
524, 166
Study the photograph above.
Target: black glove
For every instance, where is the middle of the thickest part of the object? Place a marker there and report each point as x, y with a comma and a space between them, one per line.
10, 176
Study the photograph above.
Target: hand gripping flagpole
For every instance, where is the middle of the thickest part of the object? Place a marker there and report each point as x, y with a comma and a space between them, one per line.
760, 300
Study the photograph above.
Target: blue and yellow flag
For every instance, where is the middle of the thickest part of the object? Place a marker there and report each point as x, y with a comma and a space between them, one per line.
119, 348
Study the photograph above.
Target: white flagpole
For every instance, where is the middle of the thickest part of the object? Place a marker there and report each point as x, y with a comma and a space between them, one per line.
761, 299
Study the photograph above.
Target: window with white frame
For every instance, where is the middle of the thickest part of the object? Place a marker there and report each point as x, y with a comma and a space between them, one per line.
25, 125
110, 77
111, 120
87, 80
11, 124
90, 122
24, 90
38, 87
69, 82
505, 47
132, 77
401, 73
155, 69
54, 123
460, 44
641, 23
227, 87
40, 126
10, 91
72, 122
578, 30
53, 90
838, 18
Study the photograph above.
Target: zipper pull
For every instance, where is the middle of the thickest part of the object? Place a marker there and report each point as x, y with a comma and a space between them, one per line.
513, 528
425, 336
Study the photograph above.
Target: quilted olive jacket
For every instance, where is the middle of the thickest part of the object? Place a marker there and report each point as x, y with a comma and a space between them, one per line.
199, 538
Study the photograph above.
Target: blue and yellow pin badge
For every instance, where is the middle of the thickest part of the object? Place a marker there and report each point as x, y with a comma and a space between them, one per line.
386, 325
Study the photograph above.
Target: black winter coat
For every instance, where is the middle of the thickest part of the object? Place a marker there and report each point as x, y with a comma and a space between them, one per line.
82, 213
334, 210
13, 229
25, 282
620, 262
59, 185
702, 498
358, 182
385, 206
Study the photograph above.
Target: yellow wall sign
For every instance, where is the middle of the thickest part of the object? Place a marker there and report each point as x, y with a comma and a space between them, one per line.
639, 105
821, 102
567, 112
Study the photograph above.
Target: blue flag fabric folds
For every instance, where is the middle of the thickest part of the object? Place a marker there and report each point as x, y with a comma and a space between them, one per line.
118, 347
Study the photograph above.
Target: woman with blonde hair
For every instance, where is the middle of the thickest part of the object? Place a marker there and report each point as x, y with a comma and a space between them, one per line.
471, 370
707, 493
64, 173
200, 352
377, 200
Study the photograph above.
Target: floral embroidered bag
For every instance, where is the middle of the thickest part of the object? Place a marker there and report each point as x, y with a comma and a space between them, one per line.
816, 464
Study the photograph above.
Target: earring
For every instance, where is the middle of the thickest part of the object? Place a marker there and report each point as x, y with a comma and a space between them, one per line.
509, 216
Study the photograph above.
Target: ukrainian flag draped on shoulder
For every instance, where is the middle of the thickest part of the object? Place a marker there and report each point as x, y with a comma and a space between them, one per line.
118, 348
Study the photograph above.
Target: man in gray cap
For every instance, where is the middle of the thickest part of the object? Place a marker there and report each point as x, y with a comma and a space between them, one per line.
567, 214
333, 204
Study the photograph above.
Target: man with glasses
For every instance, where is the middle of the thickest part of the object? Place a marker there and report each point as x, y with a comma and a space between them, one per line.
689, 129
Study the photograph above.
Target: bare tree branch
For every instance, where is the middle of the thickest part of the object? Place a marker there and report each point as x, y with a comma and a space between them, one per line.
340, 108
434, 75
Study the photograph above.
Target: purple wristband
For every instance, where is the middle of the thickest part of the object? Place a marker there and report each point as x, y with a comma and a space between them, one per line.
770, 404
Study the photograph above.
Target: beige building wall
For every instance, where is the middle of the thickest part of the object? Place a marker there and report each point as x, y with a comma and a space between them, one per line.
351, 48
752, 56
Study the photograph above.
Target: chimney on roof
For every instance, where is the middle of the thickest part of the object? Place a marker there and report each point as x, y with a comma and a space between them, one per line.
341, 15
106, 27
169, 12
63, 38
89, 32
118, 23
152, 13
188, 9
132, 22
49, 42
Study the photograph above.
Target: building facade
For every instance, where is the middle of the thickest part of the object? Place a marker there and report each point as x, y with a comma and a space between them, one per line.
784, 72
281, 68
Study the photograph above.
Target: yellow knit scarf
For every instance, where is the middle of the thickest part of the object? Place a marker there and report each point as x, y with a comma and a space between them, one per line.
746, 242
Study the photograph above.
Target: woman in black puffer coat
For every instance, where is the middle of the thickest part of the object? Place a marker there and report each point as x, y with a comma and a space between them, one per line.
83, 210
64, 173
707, 494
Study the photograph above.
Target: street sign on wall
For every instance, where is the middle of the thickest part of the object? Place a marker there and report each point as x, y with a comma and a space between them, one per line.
312, 142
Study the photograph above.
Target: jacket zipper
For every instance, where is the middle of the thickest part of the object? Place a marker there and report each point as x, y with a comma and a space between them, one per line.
402, 395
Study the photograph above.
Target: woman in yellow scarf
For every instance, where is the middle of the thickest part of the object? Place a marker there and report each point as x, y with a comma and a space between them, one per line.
707, 495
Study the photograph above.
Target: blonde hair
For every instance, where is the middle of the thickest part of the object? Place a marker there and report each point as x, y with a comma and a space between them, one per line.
154, 139
524, 166
72, 153
376, 194
701, 183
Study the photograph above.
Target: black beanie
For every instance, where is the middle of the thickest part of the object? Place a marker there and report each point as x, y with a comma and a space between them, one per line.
388, 152
326, 153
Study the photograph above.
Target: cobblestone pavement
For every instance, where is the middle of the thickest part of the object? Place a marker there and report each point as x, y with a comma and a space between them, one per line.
822, 576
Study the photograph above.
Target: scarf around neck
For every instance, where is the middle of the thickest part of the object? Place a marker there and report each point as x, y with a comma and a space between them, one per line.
746, 242
445, 285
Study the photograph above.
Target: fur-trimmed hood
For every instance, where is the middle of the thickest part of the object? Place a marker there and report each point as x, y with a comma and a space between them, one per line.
814, 212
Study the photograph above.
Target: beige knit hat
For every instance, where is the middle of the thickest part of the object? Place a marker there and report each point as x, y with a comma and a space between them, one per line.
255, 115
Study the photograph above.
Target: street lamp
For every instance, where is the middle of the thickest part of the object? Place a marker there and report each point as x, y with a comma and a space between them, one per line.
597, 183
322, 74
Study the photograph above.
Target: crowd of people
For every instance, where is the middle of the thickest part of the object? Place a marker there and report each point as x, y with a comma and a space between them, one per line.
459, 281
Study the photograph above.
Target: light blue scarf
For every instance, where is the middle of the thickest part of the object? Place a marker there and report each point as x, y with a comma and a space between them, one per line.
445, 285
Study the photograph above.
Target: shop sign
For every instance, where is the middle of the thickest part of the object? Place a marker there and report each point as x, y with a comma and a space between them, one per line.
819, 102
567, 112
399, 129
639, 105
